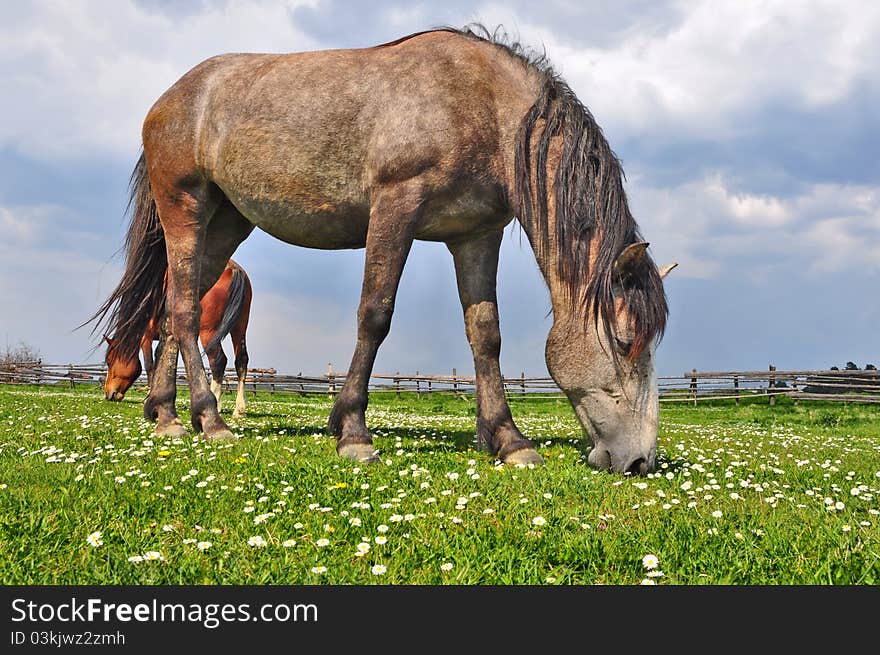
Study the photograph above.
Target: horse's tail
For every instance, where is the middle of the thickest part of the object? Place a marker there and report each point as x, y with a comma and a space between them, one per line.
235, 303
140, 294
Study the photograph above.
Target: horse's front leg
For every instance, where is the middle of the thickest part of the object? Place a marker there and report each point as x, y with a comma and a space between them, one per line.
389, 237
476, 269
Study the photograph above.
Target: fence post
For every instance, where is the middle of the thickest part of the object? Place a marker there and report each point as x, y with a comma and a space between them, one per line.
70, 375
40, 372
771, 385
522, 383
418, 387
331, 381
694, 386
454, 383
397, 384
736, 388
430, 387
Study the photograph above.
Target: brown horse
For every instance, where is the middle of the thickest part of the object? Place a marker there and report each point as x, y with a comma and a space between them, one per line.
445, 135
225, 309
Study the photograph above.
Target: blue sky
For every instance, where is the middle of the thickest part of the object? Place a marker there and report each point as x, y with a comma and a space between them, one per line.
748, 132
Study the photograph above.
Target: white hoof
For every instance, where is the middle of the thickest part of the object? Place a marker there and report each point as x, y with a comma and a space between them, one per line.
524, 457
221, 436
360, 452
173, 429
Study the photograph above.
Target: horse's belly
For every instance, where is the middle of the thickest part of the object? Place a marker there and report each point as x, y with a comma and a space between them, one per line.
327, 226
461, 212
319, 216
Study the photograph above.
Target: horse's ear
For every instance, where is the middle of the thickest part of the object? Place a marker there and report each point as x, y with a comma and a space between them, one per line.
630, 258
665, 270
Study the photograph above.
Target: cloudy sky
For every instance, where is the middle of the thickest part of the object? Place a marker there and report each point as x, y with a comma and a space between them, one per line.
749, 134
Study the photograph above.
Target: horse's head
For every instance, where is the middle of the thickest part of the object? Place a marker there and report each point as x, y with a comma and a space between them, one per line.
608, 374
121, 372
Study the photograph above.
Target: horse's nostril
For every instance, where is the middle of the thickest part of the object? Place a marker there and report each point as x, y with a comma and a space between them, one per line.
638, 466
599, 458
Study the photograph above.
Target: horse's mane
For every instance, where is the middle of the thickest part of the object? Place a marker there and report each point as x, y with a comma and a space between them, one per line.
590, 200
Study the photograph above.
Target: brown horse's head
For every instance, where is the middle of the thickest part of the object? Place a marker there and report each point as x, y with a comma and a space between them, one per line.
121, 372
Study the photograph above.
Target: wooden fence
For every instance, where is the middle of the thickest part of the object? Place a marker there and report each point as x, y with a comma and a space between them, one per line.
828, 385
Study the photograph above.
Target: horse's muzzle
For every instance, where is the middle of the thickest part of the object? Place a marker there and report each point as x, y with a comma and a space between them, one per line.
114, 395
628, 464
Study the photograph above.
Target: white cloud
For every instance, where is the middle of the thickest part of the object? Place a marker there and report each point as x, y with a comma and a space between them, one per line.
750, 209
47, 293
844, 243
721, 62
79, 77
299, 333
712, 230
15, 228
31, 232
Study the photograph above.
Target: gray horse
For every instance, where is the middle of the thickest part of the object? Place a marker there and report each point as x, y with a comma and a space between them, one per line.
445, 135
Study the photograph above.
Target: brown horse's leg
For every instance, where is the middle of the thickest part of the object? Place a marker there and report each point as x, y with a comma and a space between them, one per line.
217, 363
476, 269
239, 343
149, 364
227, 230
389, 238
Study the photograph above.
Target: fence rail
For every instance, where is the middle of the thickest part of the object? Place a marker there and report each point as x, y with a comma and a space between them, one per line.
829, 385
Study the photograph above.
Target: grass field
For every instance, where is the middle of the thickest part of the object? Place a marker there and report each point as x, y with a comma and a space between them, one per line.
742, 495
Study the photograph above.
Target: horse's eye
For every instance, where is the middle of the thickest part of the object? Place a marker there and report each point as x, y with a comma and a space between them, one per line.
623, 347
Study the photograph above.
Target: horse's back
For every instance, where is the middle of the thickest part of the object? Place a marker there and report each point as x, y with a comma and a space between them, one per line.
297, 141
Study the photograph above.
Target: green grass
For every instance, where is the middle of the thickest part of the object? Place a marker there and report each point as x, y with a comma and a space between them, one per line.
805, 509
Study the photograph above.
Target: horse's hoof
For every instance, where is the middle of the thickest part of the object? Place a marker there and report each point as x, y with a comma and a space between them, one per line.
236, 416
173, 429
524, 457
359, 452
221, 436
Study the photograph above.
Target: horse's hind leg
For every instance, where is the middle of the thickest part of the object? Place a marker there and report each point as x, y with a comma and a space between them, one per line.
196, 258
147, 350
159, 404
217, 363
184, 211
389, 238
227, 229
476, 269
239, 343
